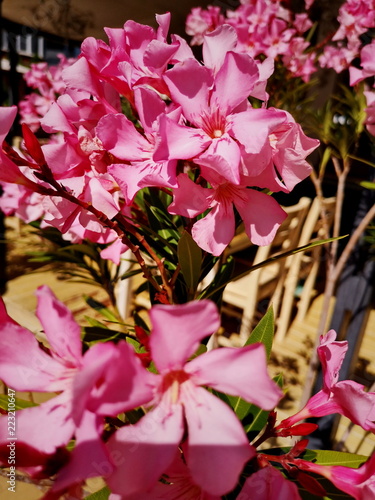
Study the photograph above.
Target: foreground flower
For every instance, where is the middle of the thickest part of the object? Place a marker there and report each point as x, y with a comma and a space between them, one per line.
215, 444
79, 380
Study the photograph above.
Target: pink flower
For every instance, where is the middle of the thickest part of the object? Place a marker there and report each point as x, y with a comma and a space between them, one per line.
367, 63
370, 111
215, 445
200, 21
79, 380
120, 137
358, 483
261, 214
345, 397
268, 484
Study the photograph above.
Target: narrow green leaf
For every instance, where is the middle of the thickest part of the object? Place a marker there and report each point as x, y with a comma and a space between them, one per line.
19, 404
264, 332
94, 334
131, 273
208, 292
101, 308
367, 184
259, 417
190, 258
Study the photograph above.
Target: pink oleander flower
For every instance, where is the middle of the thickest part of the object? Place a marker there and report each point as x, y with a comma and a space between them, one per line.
214, 443
367, 63
200, 21
358, 483
338, 58
261, 214
49, 83
370, 112
268, 484
120, 137
345, 397
79, 381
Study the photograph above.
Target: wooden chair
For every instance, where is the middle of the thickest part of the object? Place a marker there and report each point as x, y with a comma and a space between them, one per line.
304, 266
267, 282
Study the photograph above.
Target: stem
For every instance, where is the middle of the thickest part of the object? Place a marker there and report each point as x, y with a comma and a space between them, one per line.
62, 193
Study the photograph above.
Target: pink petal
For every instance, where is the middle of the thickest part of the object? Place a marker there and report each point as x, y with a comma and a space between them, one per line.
149, 106
217, 444
177, 331
262, 216
178, 142
100, 198
331, 354
158, 54
354, 403
101, 386
239, 72
189, 84
217, 44
252, 127
114, 251
214, 232
7, 116
189, 199
223, 157
45, 427
61, 329
231, 370
23, 365
89, 457
141, 453
268, 484
120, 137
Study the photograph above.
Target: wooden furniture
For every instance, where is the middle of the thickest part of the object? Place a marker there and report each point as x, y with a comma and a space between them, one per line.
303, 271
266, 282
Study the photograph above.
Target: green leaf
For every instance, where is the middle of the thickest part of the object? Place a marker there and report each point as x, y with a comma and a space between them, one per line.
331, 457
19, 404
264, 332
367, 184
95, 334
257, 418
102, 494
101, 308
214, 290
190, 258
210, 291
131, 273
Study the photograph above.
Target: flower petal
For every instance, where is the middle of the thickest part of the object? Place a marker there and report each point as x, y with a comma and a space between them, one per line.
214, 232
217, 444
233, 371
141, 453
177, 330
23, 365
44, 427
61, 329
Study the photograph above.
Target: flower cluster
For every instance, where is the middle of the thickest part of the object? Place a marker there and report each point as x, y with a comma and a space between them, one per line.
48, 82
266, 28
190, 129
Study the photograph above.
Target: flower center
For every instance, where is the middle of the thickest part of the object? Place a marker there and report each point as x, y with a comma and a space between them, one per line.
172, 382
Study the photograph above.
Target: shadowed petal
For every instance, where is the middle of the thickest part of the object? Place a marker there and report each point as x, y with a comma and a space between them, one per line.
217, 444
141, 453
